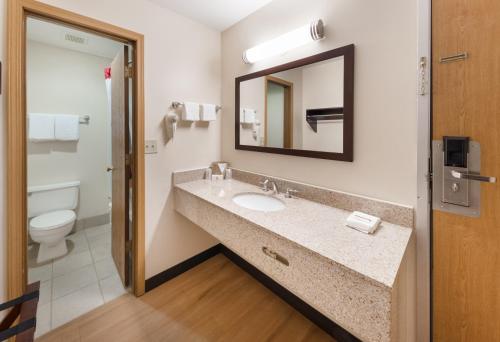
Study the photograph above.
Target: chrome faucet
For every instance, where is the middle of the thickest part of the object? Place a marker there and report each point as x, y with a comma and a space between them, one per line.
269, 185
274, 188
265, 184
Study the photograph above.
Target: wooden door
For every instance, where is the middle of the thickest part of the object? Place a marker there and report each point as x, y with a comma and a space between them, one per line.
466, 102
120, 158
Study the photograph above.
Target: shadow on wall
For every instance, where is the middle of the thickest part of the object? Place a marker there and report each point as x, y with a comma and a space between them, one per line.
48, 147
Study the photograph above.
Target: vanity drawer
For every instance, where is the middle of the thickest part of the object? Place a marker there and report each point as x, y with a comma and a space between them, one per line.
356, 303
352, 302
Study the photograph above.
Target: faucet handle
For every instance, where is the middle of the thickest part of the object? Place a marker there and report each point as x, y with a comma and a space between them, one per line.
264, 184
289, 192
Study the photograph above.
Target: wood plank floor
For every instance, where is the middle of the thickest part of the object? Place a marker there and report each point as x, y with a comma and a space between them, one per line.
216, 301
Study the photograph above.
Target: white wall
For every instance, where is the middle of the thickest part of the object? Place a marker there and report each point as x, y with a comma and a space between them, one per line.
62, 81
182, 62
385, 35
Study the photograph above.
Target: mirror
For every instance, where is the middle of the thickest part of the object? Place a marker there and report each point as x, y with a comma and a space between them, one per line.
302, 108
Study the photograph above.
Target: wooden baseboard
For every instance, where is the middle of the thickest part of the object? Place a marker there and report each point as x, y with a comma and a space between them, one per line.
184, 266
330, 327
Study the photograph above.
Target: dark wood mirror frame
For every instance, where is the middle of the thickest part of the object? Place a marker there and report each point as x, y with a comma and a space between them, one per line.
347, 155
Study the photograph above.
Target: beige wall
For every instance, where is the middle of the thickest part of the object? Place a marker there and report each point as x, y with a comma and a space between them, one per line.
252, 97
62, 81
385, 36
178, 67
323, 87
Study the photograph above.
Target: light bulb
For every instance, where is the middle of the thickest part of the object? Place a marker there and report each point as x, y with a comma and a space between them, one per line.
288, 41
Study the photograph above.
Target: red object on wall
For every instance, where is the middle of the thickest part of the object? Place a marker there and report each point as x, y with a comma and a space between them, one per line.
107, 73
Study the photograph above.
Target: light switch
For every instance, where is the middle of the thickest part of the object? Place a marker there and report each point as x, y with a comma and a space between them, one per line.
150, 147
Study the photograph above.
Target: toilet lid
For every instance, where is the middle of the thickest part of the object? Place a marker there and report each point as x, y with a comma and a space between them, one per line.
53, 220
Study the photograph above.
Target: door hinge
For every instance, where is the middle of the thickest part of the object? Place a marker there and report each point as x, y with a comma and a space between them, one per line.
129, 160
422, 87
129, 71
429, 180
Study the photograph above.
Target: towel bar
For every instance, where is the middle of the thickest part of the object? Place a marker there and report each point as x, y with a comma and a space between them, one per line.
85, 119
176, 105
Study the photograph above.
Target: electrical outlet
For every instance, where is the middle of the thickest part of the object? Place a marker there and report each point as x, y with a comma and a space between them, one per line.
150, 147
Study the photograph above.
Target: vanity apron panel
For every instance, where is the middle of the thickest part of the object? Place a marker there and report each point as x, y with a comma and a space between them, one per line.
355, 302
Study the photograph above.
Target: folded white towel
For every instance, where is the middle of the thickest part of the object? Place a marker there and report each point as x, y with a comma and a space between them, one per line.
67, 127
242, 115
191, 111
250, 115
208, 112
41, 127
363, 222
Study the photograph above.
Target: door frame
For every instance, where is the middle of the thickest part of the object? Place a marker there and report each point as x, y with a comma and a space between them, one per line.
424, 195
17, 12
287, 129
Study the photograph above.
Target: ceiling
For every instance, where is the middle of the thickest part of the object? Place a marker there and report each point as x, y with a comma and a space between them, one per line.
68, 38
217, 14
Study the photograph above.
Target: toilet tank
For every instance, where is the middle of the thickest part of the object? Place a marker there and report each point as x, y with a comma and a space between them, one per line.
52, 197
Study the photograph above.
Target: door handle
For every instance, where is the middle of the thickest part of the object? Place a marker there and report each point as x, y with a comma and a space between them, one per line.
275, 256
109, 169
474, 177
453, 58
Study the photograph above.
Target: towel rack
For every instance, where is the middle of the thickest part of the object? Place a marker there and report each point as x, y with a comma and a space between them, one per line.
84, 119
176, 105
314, 116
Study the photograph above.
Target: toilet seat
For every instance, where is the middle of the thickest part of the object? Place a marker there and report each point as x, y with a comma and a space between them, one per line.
52, 220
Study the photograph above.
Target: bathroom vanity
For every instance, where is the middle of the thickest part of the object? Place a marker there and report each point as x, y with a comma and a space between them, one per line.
354, 279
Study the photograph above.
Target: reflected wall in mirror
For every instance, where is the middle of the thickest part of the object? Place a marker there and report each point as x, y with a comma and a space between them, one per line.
301, 108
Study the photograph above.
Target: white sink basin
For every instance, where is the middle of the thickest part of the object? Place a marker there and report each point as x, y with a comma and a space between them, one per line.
259, 202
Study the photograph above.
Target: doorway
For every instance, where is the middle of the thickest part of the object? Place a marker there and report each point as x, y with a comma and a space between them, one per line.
466, 230
129, 206
79, 142
278, 113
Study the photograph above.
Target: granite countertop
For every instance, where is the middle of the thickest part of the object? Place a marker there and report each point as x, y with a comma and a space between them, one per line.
318, 228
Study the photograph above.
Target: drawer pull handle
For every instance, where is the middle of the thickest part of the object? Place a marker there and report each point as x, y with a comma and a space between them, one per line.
275, 256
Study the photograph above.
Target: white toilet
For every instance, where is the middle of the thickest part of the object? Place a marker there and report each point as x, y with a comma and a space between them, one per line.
51, 210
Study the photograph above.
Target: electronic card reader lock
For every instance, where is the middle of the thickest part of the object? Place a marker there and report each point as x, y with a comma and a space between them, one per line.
456, 176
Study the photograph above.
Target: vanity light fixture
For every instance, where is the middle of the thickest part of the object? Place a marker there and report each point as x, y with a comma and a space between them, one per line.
288, 41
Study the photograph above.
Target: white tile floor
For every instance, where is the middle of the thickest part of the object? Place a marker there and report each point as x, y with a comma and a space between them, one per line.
78, 282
